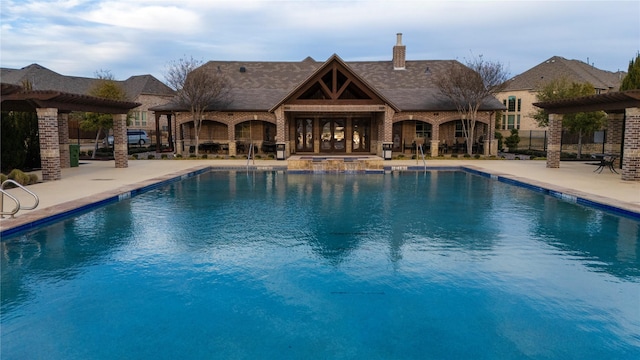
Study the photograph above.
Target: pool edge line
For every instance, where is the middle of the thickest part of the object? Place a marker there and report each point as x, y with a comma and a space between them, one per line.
566, 194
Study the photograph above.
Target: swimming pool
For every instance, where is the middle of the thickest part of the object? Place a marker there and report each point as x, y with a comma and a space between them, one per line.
442, 264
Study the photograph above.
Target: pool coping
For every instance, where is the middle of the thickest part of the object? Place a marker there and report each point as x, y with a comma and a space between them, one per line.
41, 217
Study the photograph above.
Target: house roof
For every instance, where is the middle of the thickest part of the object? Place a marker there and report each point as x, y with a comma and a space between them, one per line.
263, 85
574, 70
41, 78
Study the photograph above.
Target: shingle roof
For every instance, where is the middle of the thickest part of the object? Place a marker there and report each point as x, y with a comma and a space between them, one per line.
42, 78
261, 85
574, 70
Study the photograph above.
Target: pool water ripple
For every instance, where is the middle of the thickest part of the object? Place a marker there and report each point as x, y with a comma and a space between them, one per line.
274, 266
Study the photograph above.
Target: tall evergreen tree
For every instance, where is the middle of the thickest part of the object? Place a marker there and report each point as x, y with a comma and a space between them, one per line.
632, 80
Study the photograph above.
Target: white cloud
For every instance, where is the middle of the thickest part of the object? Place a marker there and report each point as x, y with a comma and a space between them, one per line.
137, 35
137, 16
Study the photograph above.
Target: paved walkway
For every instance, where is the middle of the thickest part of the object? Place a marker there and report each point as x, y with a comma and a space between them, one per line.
94, 181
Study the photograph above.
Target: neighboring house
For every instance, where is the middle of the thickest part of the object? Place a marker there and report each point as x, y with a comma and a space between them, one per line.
335, 107
143, 89
520, 93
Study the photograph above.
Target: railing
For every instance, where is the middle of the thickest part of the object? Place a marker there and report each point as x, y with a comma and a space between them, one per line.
424, 162
251, 154
18, 207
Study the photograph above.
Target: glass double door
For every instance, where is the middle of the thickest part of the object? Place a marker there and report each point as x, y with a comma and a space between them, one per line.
333, 133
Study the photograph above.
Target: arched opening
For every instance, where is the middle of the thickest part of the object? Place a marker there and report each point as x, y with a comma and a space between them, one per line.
257, 132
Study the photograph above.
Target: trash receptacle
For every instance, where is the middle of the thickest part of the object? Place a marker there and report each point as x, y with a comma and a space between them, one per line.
387, 150
280, 151
74, 155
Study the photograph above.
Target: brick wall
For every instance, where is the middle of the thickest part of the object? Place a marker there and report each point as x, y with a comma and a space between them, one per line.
554, 141
631, 161
49, 143
120, 140
63, 140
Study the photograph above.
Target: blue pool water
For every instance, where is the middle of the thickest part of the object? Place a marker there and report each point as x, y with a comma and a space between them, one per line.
226, 265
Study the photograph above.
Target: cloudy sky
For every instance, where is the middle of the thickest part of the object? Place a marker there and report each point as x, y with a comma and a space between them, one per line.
125, 37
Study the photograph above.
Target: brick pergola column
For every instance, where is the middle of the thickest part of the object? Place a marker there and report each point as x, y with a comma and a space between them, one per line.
554, 141
631, 151
120, 140
49, 143
613, 141
63, 142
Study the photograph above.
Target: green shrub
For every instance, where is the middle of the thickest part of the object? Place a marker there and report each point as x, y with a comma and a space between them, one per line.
33, 179
454, 155
19, 177
135, 156
151, 157
3, 178
179, 156
476, 156
466, 155
204, 156
164, 156
192, 156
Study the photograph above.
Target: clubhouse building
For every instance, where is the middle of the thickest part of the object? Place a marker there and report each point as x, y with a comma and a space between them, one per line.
333, 108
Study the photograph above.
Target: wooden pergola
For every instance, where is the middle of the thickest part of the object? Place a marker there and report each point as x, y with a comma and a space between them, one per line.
623, 124
53, 108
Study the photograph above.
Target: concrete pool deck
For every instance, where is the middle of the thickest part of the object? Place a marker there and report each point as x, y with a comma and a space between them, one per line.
99, 181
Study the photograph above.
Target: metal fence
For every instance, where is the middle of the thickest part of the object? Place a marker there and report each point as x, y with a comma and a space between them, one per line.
536, 140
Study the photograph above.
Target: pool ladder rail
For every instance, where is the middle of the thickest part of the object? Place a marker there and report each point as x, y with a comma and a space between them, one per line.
424, 161
18, 206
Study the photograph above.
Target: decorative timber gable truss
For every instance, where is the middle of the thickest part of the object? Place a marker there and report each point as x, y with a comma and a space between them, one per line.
334, 83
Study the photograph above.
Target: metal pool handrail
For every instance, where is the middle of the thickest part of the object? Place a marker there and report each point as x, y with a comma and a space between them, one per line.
18, 205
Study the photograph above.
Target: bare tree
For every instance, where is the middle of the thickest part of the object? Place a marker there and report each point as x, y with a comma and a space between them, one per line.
198, 89
469, 88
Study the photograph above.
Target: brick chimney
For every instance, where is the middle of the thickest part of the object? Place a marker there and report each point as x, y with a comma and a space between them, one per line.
399, 52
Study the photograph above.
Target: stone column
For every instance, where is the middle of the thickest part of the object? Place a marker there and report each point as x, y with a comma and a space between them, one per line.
49, 143
385, 130
554, 141
434, 147
281, 130
231, 135
631, 151
490, 143
179, 137
170, 134
120, 140
63, 136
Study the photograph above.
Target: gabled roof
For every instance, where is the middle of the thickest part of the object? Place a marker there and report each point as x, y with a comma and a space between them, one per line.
574, 70
261, 86
146, 85
41, 78
334, 59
